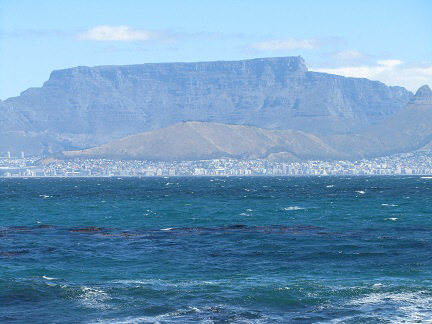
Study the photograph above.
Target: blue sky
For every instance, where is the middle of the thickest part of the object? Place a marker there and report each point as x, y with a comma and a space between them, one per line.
389, 41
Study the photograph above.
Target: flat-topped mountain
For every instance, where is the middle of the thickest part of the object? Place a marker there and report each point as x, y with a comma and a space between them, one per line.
88, 106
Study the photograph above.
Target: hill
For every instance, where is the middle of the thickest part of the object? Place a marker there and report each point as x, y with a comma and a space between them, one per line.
199, 140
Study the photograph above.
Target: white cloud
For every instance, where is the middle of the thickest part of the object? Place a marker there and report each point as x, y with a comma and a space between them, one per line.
286, 44
121, 33
390, 72
389, 63
348, 55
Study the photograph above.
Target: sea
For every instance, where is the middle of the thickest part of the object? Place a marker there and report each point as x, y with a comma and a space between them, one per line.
216, 250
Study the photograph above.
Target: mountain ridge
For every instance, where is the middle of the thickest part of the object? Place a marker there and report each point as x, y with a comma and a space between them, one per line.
83, 107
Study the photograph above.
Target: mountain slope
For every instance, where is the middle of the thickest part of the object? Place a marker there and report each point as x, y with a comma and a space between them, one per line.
409, 129
198, 140
84, 107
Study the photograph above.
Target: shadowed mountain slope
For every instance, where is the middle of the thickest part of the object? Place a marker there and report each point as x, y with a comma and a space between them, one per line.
407, 130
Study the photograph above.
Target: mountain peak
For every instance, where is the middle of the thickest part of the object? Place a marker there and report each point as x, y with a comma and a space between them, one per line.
424, 92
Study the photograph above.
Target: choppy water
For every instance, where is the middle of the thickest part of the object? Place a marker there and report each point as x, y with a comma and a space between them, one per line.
216, 250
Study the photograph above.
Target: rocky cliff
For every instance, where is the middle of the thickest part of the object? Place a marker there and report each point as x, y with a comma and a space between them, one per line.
83, 107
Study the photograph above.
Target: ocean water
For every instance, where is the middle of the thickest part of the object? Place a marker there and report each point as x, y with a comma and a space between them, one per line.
216, 250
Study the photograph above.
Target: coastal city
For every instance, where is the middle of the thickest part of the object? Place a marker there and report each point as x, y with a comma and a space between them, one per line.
414, 163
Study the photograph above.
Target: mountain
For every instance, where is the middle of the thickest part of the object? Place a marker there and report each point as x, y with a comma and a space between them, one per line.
411, 127
200, 140
88, 106
407, 130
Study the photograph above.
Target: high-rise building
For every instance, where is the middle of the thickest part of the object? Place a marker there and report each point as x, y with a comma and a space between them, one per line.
22, 154
8, 155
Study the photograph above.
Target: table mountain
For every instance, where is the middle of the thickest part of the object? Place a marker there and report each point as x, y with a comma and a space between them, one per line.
88, 106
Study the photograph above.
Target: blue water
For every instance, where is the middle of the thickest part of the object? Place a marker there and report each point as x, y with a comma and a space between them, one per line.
216, 250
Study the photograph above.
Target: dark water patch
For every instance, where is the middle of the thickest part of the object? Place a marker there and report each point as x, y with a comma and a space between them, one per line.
236, 228
88, 229
13, 253
273, 229
45, 226
21, 228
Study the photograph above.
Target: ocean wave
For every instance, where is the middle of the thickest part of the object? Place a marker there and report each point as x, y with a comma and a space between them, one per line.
93, 298
294, 208
202, 314
168, 284
392, 307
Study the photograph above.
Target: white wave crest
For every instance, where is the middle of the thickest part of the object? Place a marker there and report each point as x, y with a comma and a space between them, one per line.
94, 298
393, 307
294, 208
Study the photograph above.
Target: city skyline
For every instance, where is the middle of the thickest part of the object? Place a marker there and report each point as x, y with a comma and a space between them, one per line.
414, 163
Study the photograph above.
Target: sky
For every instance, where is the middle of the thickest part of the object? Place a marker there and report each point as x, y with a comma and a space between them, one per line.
388, 41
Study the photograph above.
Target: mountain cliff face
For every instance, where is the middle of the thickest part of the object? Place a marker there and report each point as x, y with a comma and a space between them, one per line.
83, 107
